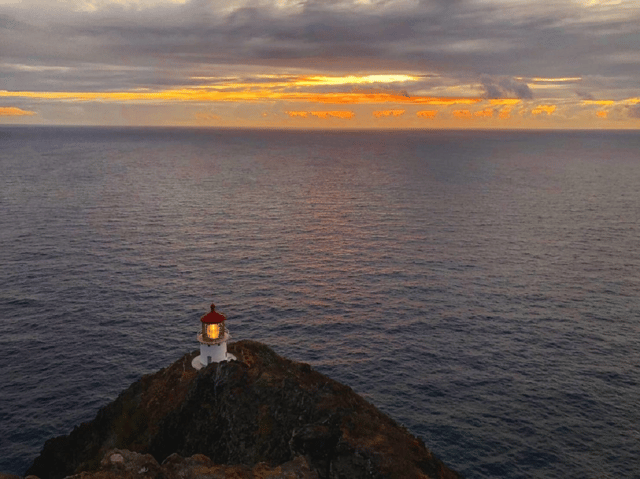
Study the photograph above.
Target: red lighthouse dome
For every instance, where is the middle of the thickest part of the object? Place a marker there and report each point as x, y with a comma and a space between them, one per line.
213, 317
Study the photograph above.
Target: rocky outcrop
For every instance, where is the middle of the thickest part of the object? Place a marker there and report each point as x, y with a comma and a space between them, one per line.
261, 411
123, 464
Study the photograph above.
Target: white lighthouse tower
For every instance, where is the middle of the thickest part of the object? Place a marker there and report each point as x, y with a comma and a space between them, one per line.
213, 340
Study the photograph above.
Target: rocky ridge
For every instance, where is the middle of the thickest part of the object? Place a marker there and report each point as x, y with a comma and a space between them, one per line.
260, 416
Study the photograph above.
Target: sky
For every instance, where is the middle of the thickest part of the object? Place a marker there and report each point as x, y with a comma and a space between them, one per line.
321, 64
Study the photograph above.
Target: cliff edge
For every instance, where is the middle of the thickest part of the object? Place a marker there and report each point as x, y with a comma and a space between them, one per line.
262, 412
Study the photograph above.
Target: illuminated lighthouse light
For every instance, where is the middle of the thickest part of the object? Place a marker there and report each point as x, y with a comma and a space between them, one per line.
213, 340
212, 331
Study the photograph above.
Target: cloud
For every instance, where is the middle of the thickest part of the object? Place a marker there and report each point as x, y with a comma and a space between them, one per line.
463, 114
548, 109
505, 102
504, 114
487, 113
422, 52
345, 115
584, 95
384, 113
505, 87
429, 114
233, 93
503, 39
634, 111
599, 102
13, 111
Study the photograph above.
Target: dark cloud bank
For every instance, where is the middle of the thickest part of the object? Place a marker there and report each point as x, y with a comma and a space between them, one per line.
486, 42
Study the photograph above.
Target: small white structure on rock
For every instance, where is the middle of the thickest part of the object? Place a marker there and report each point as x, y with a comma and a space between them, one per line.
213, 340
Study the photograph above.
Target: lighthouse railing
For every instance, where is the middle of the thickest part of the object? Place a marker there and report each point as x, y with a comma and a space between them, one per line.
218, 340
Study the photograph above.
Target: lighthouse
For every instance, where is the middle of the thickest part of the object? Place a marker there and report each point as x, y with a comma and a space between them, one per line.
213, 340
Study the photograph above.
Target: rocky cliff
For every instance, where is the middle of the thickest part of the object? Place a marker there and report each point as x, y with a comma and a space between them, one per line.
259, 416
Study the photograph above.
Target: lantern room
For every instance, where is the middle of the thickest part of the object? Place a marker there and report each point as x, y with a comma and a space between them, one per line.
213, 326
213, 340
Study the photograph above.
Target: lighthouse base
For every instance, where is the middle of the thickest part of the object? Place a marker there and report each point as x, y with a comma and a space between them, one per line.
198, 363
212, 351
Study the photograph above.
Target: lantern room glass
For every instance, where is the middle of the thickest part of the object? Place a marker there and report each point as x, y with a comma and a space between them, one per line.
212, 331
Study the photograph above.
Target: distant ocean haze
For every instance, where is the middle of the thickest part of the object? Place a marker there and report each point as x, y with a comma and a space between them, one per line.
479, 287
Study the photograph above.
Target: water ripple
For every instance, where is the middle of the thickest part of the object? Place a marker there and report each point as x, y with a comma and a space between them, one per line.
482, 294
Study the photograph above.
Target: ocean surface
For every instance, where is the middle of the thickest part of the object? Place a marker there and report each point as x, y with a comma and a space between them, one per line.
482, 288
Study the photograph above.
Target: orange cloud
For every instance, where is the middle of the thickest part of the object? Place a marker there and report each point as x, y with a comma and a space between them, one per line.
598, 102
466, 114
430, 114
382, 113
322, 114
362, 97
137, 95
248, 94
548, 109
627, 101
336, 114
313, 80
556, 80
487, 112
505, 114
13, 111
602, 114
505, 101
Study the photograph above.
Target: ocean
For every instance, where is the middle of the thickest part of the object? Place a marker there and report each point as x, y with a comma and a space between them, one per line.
481, 288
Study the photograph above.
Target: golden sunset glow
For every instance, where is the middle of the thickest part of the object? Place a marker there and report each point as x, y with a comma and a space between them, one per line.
626, 101
284, 80
357, 97
505, 101
384, 113
430, 114
317, 80
487, 112
322, 114
556, 80
464, 114
335, 114
13, 111
548, 109
482, 111
182, 95
599, 102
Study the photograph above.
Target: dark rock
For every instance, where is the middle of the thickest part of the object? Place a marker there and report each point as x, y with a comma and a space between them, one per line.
128, 423
261, 409
123, 464
199, 466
